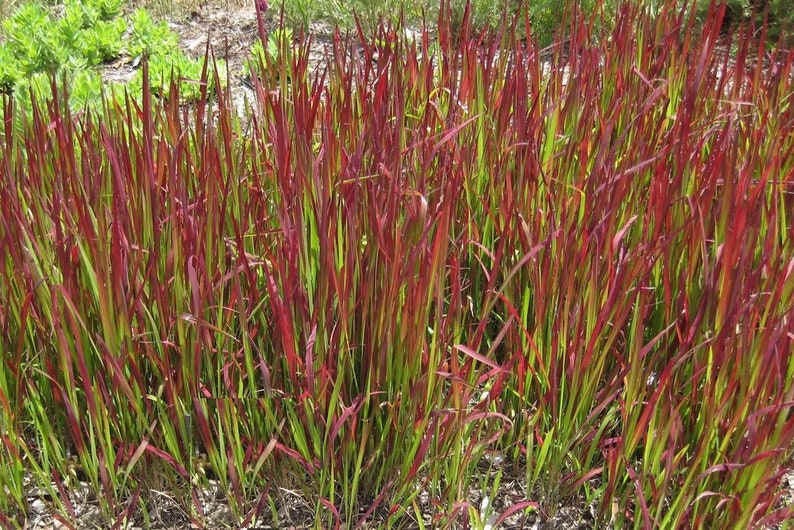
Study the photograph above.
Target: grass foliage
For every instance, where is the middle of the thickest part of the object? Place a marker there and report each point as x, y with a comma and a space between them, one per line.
420, 255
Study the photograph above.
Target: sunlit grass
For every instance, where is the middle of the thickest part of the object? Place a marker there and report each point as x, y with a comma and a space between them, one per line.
421, 254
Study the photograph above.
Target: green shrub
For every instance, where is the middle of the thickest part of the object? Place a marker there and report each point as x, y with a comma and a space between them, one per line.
149, 36
39, 45
103, 42
781, 18
9, 69
108, 9
35, 40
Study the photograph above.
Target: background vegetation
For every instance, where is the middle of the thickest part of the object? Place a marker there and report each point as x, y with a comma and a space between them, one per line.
71, 39
546, 16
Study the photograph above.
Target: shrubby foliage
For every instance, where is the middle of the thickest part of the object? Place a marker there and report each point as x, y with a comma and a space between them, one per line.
40, 45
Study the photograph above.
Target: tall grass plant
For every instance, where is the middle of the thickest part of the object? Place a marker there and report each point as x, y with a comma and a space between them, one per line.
407, 263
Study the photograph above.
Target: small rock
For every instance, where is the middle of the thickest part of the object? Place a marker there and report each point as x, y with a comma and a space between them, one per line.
38, 507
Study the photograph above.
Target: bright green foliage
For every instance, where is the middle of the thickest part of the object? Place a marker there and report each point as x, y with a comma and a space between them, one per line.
87, 34
76, 17
108, 9
10, 69
103, 41
91, 31
34, 39
149, 37
159, 44
38, 42
85, 88
277, 40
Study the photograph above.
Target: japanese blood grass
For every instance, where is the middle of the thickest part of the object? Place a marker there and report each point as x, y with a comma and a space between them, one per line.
410, 261
647, 314
164, 276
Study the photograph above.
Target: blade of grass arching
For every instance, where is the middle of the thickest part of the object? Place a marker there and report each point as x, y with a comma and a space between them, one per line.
171, 436
12, 446
12, 479
230, 466
728, 374
29, 259
44, 457
89, 426
147, 130
85, 355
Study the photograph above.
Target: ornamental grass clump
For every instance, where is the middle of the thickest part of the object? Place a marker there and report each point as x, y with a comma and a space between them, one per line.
422, 256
